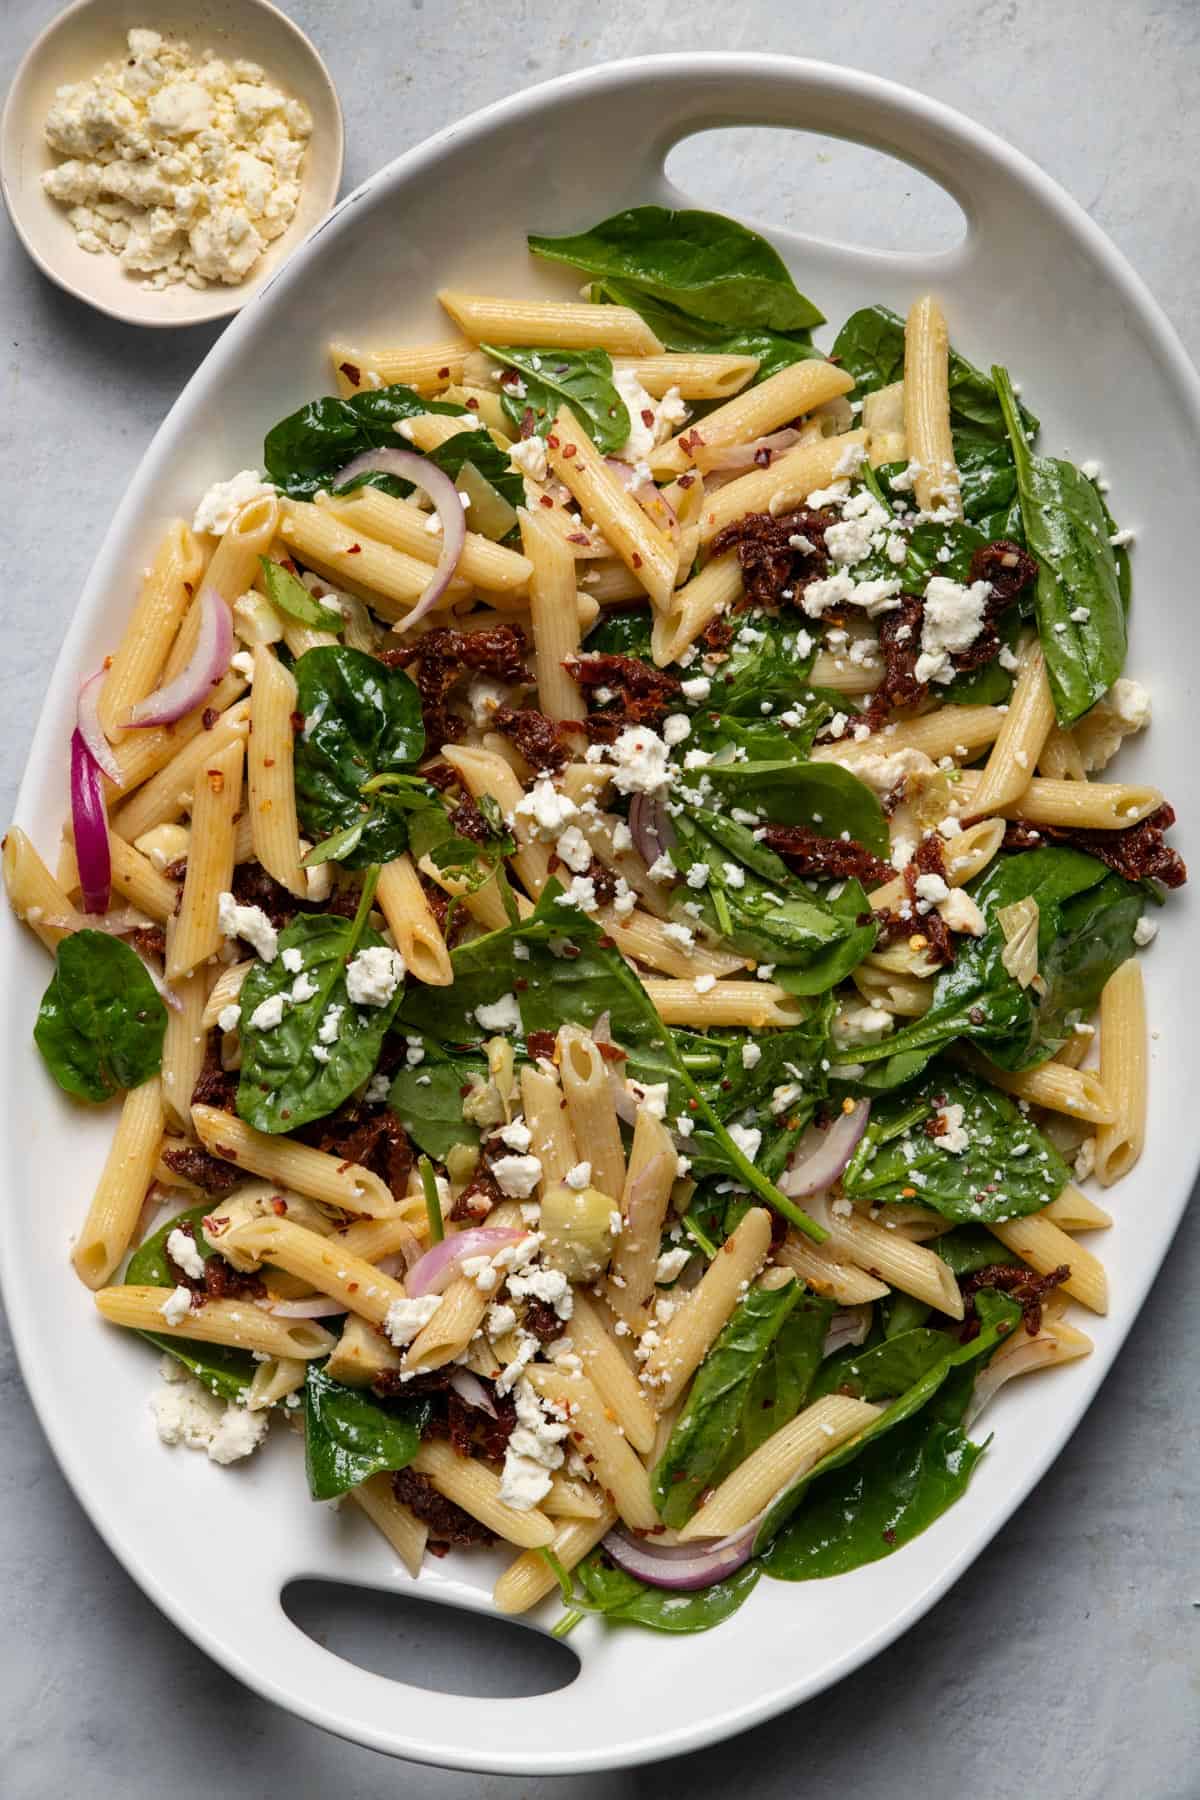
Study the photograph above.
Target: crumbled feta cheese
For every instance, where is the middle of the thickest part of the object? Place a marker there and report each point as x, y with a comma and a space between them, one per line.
640, 759
548, 809
932, 888
579, 1176
1144, 932
676, 727
696, 688
573, 849
268, 1013
185, 1254
951, 1135
229, 1017
748, 1139
517, 1176
961, 913
580, 892
751, 1055
248, 922
652, 1095
176, 1307
186, 1413
503, 1014
330, 1028
303, 988
683, 935
704, 984
292, 960
225, 500
651, 421
529, 455
405, 1318
533, 1451
953, 619
622, 837
374, 975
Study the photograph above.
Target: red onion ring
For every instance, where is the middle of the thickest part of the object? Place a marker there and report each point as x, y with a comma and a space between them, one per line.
821, 1156
205, 667
682, 1567
651, 499
747, 456
850, 1326
472, 1392
87, 718
437, 1268
90, 822
410, 465
316, 1306
650, 825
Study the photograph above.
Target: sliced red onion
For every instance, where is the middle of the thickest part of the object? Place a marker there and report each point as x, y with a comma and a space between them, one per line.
758, 454
651, 499
90, 822
410, 465
205, 667
682, 1567
164, 991
651, 826
316, 1306
821, 1156
87, 717
625, 1103
437, 1268
471, 1390
848, 1327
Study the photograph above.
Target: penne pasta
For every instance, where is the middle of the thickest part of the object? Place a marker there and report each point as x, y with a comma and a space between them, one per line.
552, 324
121, 1191
275, 833
612, 510
1119, 1140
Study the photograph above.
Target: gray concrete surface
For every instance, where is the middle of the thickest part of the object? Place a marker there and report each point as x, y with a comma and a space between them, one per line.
1064, 1664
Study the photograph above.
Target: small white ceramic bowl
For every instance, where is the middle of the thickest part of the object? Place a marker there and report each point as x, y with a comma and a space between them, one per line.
72, 48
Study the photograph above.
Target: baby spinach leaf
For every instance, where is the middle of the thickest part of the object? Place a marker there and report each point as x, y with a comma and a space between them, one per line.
998, 1317
621, 634
580, 379
624, 1600
888, 1496
882, 1372
349, 1435
1008, 1168
100, 1025
821, 794
1079, 946
361, 720
751, 914
224, 1372
769, 661
292, 597
969, 1248
716, 1400
306, 450
284, 1083
774, 350
830, 966
729, 1410
707, 265
428, 1103
767, 739
1080, 614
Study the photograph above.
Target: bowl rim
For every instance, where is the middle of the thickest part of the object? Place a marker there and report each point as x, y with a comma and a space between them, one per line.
729, 1719
244, 291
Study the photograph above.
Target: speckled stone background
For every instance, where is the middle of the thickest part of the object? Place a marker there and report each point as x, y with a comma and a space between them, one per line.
1064, 1665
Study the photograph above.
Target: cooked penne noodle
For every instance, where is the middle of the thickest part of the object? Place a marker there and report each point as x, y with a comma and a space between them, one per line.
184, 1043
796, 389
390, 580
606, 1450
410, 919
275, 832
240, 1324
404, 527
225, 990
217, 799
1119, 1141
1020, 740
756, 1004
891, 1257
611, 508
1086, 805
552, 324
1060, 759
128, 1171
426, 367
787, 483
837, 671
471, 1485
694, 606
1080, 1093
274, 1381
142, 753
590, 1107
689, 1334
449, 1331
614, 1380
787, 1454
167, 589
530, 1578
553, 615
1074, 1211
1038, 1241
552, 1140
572, 1499
825, 1273
403, 1530
484, 773
34, 895
168, 791
645, 1198
955, 731
927, 409
695, 375
295, 1165
326, 1264
1020, 1354
883, 421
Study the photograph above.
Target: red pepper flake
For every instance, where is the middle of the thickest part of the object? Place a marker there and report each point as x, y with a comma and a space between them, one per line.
296, 720
279, 1206
354, 550
636, 560
472, 404
728, 1246
545, 500
352, 372
209, 717
568, 450
648, 417
188, 589
553, 441
686, 481
444, 374
216, 780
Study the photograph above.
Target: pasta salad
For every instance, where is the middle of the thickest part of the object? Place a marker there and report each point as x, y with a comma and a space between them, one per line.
592, 888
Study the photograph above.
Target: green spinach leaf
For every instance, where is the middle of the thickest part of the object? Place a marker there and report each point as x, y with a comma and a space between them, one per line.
284, 1082
624, 1600
580, 379
293, 598
871, 346
1008, 1169
724, 1407
428, 1103
774, 350
224, 1372
998, 1317
100, 1025
362, 720
349, 1435
886, 1369
888, 1496
821, 794
620, 634
307, 449
708, 266
768, 663
1080, 614
969, 1248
